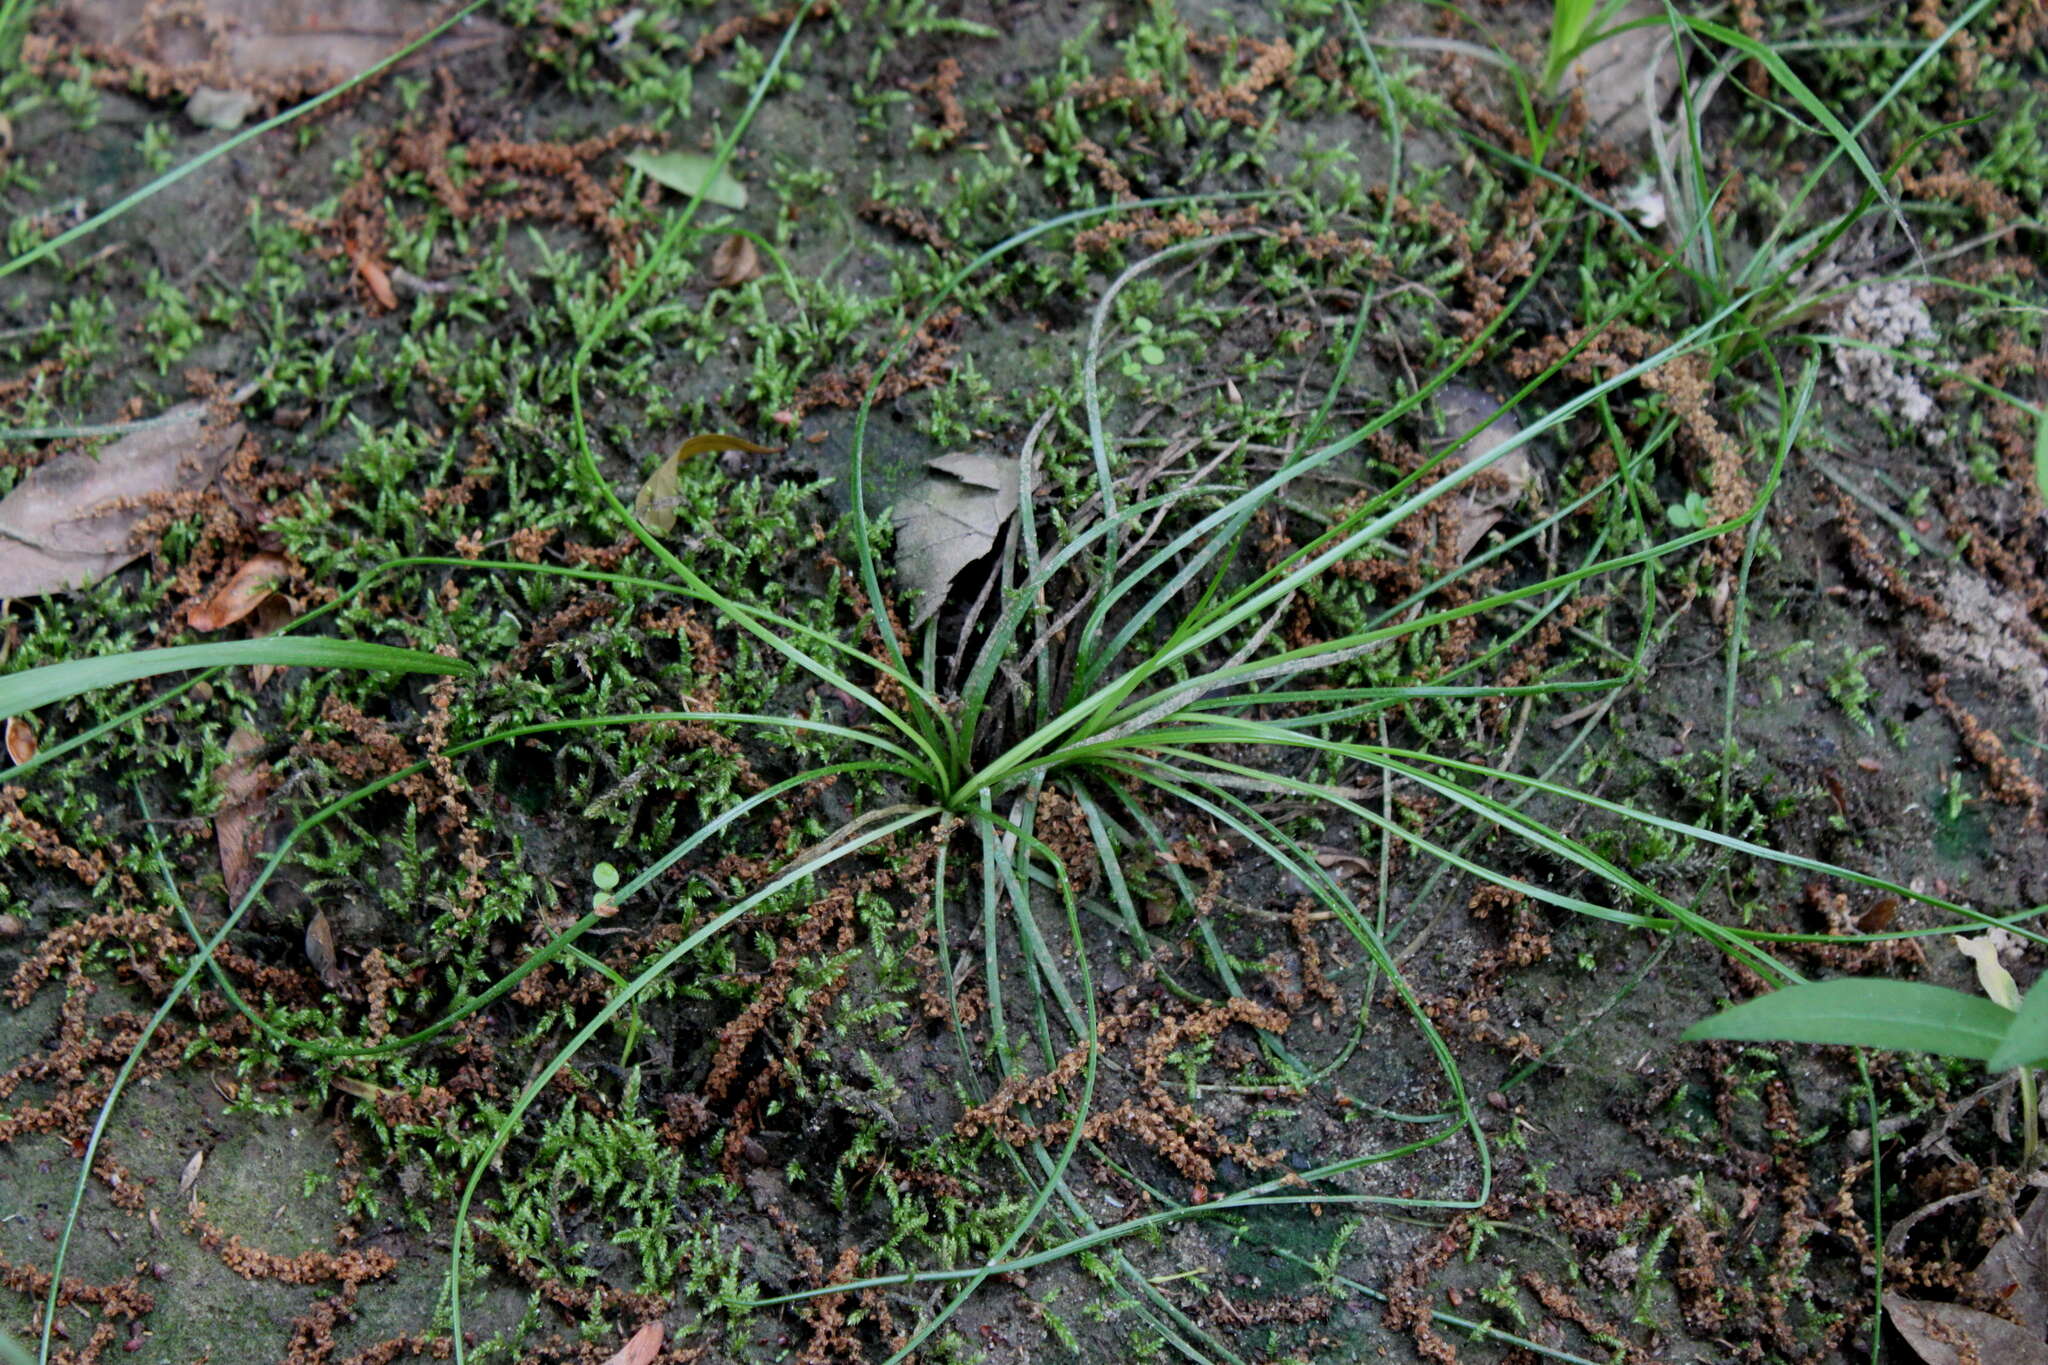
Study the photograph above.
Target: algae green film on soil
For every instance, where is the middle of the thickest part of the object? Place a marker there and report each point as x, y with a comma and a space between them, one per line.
1011, 682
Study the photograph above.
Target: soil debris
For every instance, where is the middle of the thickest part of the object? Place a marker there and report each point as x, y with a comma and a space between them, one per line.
79, 517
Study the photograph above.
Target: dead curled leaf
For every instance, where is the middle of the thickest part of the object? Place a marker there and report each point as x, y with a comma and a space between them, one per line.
642, 1349
20, 739
2015, 1270
193, 1166
237, 825
1950, 1334
273, 615
362, 1090
1488, 496
72, 521
734, 261
950, 519
220, 109
654, 506
320, 948
378, 281
246, 589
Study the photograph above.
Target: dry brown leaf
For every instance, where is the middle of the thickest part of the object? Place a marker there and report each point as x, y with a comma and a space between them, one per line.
949, 519
273, 615
20, 739
2015, 1270
1950, 1334
1613, 74
362, 1090
643, 1348
320, 948
378, 281
734, 261
246, 589
72, 521
1347, 864
236, 825
1483, 501
278, 48
654, 506
220, 109
193, 1167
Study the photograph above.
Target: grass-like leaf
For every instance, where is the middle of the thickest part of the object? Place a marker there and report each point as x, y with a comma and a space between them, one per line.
1899, 1016
33, 687
2026, 1038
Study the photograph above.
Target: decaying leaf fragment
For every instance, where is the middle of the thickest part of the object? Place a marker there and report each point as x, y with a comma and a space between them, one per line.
72, 521
190, 1175
1483, 501
1983, 949
950, 519
654, 506
320, 948
642, 1349
734, 261
246, 589
2015, 1270
238, 824
272, 615
1950, 1334
20, 739
362, 1090
1626, 76
220, 109
271, 49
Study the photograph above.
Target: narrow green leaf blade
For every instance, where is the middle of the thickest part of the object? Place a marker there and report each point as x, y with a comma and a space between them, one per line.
2026, 1039
33, 687
1813, 104
1899, 1016
2041, 452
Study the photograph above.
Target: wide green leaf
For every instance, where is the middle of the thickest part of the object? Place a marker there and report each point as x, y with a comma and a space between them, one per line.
33, 687
690, 175
1899, 1016
2026, 1038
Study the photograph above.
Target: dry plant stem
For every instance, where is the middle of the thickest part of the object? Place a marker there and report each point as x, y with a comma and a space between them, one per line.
2030, 1118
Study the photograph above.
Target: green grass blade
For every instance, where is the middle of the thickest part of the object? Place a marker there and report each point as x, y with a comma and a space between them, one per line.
1812, 103
1899, 1016
646, 978
34, 687
2026, 1039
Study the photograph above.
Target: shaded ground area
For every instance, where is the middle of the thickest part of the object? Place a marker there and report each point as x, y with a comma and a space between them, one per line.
1417, 1094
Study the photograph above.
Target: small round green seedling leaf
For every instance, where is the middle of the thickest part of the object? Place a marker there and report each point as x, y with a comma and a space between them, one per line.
605, 875
1151, 354
1898, 1016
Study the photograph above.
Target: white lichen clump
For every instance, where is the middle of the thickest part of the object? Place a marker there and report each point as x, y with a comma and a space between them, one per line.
1884, 314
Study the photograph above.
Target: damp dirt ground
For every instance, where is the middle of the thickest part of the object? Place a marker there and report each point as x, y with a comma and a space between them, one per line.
1858, 679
